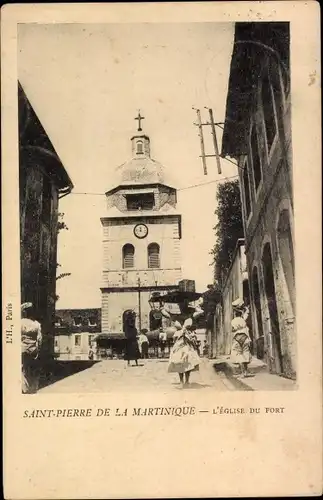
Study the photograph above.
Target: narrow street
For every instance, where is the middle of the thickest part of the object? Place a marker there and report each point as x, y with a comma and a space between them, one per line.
110, 376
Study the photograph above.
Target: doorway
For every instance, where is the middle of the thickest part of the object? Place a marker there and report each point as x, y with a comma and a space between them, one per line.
270, 293
258, 318
286, 252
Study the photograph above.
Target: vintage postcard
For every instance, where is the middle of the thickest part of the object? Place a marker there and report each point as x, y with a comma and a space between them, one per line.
161, 253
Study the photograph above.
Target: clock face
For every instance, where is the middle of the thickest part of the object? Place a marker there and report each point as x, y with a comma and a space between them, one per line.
140, 230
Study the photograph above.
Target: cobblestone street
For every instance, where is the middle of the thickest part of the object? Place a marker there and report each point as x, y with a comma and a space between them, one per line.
114, 375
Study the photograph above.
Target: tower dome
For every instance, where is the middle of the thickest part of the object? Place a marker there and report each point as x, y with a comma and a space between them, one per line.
141, 169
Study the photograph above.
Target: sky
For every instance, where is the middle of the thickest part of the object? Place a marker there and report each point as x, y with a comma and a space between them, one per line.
86, 83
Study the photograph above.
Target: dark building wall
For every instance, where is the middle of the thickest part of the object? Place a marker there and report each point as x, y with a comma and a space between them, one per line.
42, 180
260, 62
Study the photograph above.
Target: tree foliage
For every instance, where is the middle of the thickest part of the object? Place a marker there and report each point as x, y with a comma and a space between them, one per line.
228, 230
61, 223
60, 226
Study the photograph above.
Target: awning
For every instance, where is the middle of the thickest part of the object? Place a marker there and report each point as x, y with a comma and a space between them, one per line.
110, 336
176, 297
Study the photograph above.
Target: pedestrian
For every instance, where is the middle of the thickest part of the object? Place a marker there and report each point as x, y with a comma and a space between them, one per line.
184, 357
130, 331
162, 341
210, 300
91, 354
31, 339
143, 343
240, 348
205, 348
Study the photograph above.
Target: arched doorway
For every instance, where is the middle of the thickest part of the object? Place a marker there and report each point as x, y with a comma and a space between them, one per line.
258, 315
267, 266
286, 252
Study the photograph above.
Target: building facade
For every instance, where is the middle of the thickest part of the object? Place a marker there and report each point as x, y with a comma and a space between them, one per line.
76, 331
257, 133
235, 287
43, 181
141, 240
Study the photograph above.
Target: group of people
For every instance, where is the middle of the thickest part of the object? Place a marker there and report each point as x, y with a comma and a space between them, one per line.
143, 342
184, 354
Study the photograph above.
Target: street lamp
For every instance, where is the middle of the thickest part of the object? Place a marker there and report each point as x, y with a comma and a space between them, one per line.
155, 301
156, 304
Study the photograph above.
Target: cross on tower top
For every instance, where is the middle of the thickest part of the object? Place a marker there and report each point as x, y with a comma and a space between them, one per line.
139, 118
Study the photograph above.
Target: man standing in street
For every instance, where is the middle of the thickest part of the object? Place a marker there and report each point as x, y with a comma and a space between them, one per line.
162, 341
143, 343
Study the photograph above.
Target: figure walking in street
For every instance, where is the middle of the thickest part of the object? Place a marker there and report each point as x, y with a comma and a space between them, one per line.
240, 349
162, 341
31, 338
130, 331
143, 343
205, 349
184, 356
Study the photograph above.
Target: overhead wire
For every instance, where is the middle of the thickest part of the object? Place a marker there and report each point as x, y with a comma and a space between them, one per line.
214, 181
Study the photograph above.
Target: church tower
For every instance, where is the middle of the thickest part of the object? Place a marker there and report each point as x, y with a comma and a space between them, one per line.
141, 238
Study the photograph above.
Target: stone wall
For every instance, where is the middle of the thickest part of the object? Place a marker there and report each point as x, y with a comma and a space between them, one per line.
273, 196
162, 230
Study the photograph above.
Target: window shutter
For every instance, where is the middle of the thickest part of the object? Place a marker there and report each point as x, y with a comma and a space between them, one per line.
153, 256
128, 256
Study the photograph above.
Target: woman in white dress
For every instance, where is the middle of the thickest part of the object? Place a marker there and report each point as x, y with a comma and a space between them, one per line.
240, 348
184, 356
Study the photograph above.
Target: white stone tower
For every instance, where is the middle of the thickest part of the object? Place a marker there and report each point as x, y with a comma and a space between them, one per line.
141, 238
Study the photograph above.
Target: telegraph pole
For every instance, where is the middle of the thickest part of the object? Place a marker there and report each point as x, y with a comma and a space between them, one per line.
199, 124
215, 142
212, 124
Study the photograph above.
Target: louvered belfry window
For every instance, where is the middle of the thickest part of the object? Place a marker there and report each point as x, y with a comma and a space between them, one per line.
128, 256
153, 255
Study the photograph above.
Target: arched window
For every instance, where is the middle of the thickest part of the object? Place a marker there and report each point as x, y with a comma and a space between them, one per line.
246, 186
269, 111
140, 148
256, 162
128, 256
153, 255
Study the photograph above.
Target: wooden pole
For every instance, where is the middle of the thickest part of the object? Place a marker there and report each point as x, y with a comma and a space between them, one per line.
199, 122
215, 142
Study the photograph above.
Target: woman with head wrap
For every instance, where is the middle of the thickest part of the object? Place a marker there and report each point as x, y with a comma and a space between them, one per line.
184, 356
240, 349
31, 338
